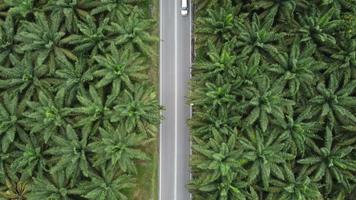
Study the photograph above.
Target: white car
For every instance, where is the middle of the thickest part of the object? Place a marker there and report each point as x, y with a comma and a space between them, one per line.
184, 9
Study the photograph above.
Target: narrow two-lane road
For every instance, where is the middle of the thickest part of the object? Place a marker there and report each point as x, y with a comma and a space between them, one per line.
175, 64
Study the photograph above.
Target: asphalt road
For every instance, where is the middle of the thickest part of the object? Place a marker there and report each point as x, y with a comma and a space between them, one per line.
175, 64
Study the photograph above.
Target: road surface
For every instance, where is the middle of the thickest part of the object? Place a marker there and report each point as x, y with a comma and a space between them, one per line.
175, 64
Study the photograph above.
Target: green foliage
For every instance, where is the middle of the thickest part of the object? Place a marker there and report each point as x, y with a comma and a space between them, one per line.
347, 5
206, 123
9, 120
4, 157
108, 185
297, 132
219, 62
220, 188
24, 77
220, 158
218, 94
256, 37
74, 77
114, 7
318, 27
283, 9
120, 67
265, 154
266, 103
15, 189
71, 10
333, 102
92, 110
43, 37
218, 25
47, 115
297, 68
219, 162
120, 147
7, 32
293, 188
56, 187
273, 94
20, 7
91, 37
134, 34
138, 110
345, 61
79, 110
70, 154
330, 162
29, 158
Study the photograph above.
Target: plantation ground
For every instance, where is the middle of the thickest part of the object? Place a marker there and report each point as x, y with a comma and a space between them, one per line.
273, 89
79, 110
